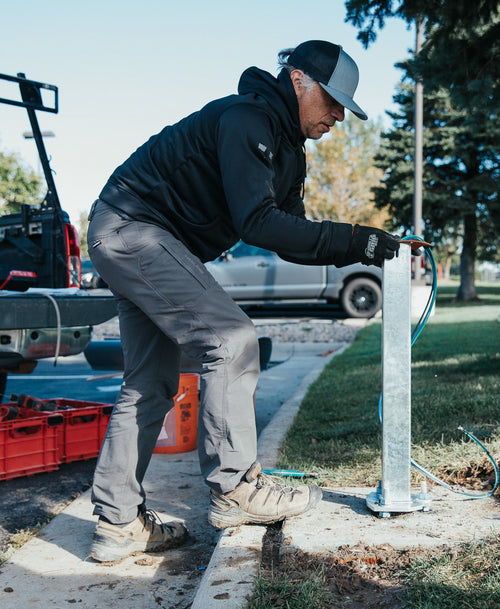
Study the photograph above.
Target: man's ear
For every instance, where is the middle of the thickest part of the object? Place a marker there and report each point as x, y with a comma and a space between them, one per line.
296, 76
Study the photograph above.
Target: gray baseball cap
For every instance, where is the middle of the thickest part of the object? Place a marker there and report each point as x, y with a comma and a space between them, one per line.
332, 68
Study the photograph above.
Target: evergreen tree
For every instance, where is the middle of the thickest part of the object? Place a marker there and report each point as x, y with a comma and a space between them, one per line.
459, 65
461, 174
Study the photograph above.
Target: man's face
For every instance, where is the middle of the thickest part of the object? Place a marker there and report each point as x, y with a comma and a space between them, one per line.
318, 112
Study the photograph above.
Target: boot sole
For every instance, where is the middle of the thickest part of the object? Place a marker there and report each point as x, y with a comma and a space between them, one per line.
102, 552
234, 516
104, 549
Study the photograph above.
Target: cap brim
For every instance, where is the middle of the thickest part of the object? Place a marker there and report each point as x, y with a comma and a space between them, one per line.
346, 101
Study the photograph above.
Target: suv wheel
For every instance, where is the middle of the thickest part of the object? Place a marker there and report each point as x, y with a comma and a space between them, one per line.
361, 297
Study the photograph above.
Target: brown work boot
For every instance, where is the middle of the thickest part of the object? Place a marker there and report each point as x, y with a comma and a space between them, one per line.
146, 533
259, 499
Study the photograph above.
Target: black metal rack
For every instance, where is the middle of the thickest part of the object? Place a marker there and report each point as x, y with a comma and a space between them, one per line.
32, 100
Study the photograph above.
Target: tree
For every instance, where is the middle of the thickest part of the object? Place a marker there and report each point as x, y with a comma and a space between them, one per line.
452, 19
342, 173
461, 173
18, 184
459, 65
83, 225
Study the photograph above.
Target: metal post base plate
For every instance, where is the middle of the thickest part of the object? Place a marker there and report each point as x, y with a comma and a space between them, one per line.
384, 509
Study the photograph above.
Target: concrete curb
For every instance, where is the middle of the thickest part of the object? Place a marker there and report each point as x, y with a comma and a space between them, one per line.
229, 578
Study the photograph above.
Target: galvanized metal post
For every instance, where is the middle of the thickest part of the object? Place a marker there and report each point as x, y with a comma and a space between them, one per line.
418, 157
394, 492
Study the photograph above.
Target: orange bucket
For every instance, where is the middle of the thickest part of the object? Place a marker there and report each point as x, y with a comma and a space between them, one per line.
180, 427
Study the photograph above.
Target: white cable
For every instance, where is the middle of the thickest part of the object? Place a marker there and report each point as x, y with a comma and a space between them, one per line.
58, 321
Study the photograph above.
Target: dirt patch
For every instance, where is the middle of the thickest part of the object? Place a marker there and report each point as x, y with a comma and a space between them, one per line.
360, 577
365, 576
477, 477
30, 501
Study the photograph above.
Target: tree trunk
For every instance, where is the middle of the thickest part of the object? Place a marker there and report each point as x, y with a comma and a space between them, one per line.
467, 289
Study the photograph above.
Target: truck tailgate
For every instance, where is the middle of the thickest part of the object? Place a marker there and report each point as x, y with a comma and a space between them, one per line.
23, 310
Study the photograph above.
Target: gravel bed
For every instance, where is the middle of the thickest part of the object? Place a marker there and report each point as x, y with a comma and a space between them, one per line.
279, 330
308, 331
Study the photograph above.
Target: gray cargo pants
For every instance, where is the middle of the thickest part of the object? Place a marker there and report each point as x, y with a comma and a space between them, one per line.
167, 303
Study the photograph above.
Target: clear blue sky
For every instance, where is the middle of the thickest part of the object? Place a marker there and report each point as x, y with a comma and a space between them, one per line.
126, 69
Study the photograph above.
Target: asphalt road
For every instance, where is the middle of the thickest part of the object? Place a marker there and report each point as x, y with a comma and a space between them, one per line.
72, 378
296, 311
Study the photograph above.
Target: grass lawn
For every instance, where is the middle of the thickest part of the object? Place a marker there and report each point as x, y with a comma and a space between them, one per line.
455, 381
337, 434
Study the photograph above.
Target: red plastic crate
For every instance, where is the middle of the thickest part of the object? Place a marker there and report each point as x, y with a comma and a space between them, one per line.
83, 429
79, 435
29, 445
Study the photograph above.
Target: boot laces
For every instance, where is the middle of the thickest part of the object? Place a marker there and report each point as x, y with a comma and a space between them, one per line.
151, 517
154, 520
265, 480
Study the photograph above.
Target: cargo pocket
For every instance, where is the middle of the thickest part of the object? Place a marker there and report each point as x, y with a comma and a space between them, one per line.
188, 262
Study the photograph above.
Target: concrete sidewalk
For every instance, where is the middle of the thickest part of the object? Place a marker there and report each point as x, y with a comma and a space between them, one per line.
54, 570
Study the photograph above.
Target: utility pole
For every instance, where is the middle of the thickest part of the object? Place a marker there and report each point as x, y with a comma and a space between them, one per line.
418, 126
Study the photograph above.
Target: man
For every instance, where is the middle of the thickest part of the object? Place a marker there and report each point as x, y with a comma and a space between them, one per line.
234, 170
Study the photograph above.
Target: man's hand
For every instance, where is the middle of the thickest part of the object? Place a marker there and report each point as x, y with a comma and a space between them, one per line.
371, 246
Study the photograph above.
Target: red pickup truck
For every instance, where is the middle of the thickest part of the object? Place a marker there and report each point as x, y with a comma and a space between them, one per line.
43, 313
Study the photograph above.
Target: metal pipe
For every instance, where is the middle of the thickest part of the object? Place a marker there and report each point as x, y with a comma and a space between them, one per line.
394, 492
418, 154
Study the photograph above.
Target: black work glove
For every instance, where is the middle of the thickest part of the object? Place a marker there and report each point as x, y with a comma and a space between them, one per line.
371, 246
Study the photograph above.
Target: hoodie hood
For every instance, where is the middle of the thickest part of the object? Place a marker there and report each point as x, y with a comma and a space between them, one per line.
279, 94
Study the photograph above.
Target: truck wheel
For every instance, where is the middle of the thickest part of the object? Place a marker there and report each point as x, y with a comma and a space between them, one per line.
3, 384
361, 297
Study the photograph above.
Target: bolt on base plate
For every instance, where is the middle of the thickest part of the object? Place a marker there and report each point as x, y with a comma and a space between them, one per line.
386, 509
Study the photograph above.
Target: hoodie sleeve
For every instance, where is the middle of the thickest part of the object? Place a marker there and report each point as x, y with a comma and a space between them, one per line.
246, 148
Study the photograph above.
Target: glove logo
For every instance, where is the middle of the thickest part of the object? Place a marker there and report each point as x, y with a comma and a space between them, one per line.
370, 246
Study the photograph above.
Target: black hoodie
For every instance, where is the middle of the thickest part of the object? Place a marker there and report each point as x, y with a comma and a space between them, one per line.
233, 170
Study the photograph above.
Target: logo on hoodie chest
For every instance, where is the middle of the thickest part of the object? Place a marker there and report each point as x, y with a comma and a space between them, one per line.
266, 152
